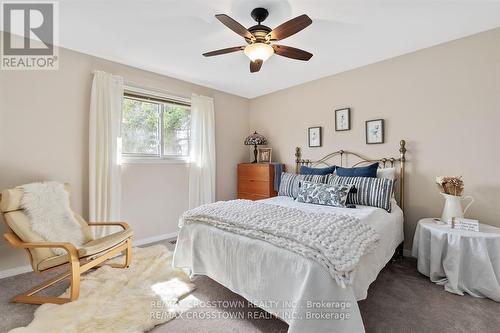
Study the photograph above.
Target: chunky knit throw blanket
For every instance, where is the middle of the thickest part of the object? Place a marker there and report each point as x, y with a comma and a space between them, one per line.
337, 242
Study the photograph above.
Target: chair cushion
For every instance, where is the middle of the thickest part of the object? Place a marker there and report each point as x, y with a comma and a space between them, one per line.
11, 198
19, 223
104, 243
91, 248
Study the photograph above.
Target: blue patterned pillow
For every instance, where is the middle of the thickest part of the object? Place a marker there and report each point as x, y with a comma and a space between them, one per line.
323, 194
375, 192
290, 183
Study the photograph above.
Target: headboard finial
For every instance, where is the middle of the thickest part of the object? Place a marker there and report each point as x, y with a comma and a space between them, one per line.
402, 149
297, 159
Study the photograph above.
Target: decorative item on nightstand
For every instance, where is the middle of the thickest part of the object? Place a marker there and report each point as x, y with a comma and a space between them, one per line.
452, 189
461, 223
264, 155
255, 140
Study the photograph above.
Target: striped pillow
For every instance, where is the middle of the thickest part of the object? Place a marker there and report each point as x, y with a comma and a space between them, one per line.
375, 192
290, 183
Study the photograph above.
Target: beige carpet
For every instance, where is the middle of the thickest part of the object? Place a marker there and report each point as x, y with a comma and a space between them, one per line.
400, 300
129, 300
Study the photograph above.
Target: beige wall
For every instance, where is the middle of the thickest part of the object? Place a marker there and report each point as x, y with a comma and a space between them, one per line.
443, 100
44, 135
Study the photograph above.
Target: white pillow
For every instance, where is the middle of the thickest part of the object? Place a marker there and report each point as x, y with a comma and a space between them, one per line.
389, 173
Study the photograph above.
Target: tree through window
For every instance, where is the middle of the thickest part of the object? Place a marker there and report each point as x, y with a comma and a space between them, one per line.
155, 128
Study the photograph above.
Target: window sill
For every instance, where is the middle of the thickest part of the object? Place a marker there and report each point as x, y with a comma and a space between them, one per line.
135, 161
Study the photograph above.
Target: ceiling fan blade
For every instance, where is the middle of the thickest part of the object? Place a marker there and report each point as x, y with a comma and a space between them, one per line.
291, 52
290, 27
255, 65
235, 26
224, 51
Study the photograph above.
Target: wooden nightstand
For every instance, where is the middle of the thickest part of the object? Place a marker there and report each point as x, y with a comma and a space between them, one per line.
255, 181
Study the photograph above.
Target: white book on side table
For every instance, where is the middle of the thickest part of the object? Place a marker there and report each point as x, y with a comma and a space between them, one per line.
461, 223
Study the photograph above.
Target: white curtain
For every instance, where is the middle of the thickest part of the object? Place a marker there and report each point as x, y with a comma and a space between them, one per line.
105, 150
202, 151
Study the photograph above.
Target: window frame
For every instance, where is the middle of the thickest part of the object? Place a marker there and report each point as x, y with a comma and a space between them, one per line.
162, 99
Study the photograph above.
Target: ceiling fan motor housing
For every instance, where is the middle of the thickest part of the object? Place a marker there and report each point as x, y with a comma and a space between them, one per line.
259, 31
259, 14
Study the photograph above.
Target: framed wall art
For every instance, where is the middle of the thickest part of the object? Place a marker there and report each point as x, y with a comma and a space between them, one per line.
375, 131
314, 136
342, 119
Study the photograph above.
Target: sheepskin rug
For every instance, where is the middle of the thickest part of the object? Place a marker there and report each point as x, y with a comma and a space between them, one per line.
47, 205
131, 300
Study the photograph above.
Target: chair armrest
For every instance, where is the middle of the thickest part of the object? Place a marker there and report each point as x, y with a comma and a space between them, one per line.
17, 242
124, 225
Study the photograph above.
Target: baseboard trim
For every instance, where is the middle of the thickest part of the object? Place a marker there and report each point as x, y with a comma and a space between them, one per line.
136, 242
157, 238
15, 271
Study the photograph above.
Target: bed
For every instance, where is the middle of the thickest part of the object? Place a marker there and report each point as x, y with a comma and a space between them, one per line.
296, 289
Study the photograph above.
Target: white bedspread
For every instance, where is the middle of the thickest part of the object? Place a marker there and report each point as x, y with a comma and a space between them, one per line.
337, 242
285, 283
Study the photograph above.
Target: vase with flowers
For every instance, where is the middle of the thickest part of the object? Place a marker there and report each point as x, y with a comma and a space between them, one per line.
451, 188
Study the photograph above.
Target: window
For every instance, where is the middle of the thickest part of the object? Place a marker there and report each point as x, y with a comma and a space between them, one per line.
155, 128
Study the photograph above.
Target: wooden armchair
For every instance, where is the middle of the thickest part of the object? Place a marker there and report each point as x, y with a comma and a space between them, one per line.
93, 253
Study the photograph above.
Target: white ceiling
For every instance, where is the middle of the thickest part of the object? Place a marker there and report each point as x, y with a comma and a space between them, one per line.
168, 37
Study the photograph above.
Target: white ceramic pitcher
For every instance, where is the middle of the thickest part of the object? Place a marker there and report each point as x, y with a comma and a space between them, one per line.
453, 206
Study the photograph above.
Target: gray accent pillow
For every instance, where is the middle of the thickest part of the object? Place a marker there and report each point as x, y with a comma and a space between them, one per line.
375, 192
323, 194
290, 183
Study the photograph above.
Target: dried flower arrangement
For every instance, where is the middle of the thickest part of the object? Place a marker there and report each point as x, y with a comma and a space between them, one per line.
451, 185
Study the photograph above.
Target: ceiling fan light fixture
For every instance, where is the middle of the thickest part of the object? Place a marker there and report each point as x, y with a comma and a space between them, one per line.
258, 51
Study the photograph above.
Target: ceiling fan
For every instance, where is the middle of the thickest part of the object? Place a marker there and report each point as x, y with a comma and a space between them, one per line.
259, 38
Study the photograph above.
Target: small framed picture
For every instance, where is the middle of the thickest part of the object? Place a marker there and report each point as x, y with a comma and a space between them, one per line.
343, 119
314, 135
375, 131
264, 155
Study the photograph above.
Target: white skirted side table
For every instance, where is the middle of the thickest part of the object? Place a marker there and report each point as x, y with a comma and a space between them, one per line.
462, 261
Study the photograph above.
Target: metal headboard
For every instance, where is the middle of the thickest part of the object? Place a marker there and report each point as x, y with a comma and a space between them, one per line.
384, 162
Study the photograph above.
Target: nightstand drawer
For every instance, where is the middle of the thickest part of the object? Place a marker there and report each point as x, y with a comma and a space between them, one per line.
258, 187
251, 196
255, 172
